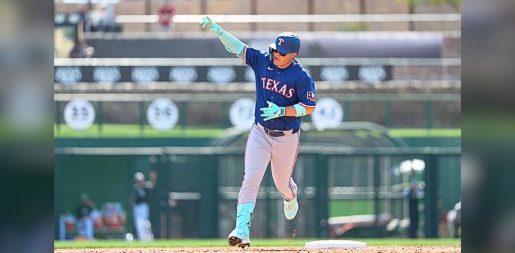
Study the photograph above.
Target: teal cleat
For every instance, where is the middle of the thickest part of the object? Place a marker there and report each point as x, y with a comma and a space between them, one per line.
290, 208
240, 236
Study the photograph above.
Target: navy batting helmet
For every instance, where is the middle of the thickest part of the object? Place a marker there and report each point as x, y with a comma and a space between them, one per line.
286, 43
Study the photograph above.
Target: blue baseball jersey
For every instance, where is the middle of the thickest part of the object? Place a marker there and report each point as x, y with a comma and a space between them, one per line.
284, 87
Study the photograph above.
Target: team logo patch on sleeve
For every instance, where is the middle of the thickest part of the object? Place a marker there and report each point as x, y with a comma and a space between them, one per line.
311, 96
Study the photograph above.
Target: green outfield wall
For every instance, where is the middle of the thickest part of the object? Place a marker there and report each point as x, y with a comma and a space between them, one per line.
195, 196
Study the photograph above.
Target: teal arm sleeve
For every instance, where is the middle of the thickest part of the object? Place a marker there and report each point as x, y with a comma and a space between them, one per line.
301, 111
231, 43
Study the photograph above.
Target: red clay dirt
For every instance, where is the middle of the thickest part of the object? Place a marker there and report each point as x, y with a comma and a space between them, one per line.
371, 249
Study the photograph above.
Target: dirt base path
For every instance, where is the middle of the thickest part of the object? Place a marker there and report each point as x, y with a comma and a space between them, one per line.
371, 249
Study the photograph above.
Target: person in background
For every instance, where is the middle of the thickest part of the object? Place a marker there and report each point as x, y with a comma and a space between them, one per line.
166, 12
140, 206
413, 193
85, 16
102, 17
454, 221
81, 50
84, 217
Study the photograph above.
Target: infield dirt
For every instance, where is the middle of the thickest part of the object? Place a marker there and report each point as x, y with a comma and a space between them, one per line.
371, 249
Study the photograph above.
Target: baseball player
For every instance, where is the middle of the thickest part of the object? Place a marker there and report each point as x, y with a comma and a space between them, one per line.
140, 206
284, 93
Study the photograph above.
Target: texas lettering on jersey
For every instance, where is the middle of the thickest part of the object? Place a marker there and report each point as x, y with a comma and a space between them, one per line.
283, 87
276, 86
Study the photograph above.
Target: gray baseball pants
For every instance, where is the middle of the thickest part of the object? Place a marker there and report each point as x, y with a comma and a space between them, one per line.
260, 150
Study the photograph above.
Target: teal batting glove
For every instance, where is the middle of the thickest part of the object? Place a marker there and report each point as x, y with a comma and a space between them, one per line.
207, 22
272, 111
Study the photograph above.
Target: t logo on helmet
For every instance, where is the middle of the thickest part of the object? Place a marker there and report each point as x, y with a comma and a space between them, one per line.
280, 42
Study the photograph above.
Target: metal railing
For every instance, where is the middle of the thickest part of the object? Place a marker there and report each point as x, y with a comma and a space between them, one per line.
344, 18
229, 97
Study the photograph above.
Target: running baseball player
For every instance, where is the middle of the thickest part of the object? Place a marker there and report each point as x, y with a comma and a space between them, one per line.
284, 93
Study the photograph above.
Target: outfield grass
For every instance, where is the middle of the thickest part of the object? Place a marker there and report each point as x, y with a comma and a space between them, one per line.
133, 130
298, 242
350, 207
423, 132
128, 130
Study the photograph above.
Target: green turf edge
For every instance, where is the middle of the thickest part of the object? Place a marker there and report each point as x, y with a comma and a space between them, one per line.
255, 242
132, 130
423, 132
127, 130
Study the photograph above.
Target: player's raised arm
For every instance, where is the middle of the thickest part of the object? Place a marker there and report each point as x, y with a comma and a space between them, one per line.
231, 43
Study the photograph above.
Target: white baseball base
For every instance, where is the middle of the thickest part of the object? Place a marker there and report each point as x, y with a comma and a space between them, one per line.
330, 244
